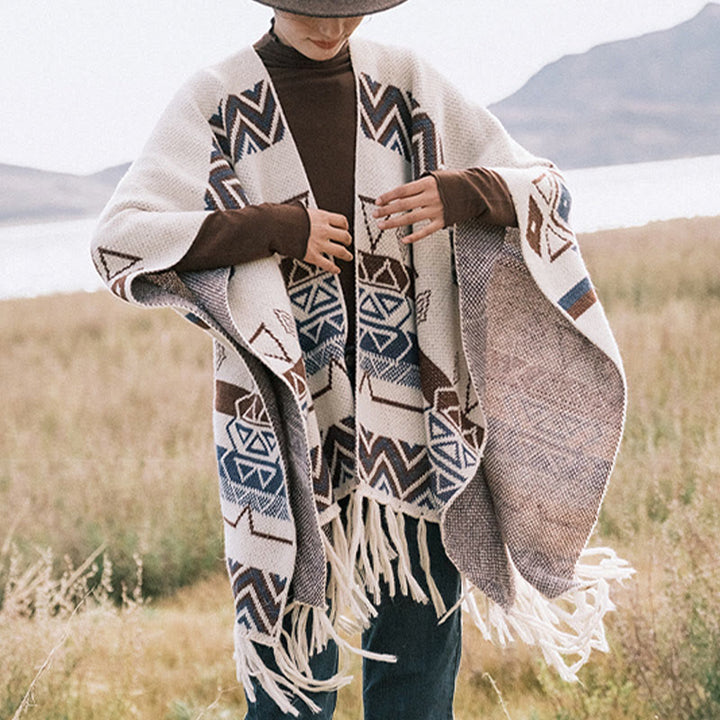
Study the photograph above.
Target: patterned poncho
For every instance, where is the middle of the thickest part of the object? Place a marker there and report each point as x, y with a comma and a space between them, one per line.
489, 394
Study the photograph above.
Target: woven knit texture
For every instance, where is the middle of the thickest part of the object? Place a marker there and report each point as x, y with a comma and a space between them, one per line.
489, 395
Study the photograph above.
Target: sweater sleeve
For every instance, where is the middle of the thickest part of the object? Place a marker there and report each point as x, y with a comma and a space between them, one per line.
475, 192
233, 237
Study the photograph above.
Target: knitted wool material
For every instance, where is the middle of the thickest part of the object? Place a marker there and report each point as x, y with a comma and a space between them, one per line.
489, 391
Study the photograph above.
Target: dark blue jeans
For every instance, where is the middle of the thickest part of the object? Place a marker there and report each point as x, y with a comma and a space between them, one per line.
421, 685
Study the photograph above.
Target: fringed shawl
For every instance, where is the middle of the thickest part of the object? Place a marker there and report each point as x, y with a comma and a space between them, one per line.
489, 395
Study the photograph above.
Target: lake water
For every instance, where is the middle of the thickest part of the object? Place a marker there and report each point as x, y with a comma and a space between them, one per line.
48, 258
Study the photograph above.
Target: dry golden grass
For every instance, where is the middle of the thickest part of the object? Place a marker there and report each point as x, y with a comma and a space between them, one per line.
105, 428
82, 461
140, 661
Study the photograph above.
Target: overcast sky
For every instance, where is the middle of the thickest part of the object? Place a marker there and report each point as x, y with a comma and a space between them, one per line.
82, 82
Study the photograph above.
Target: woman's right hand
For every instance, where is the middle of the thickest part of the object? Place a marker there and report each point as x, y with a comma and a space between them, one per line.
329, 239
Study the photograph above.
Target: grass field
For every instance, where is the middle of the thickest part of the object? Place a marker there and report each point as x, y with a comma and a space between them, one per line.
86, 467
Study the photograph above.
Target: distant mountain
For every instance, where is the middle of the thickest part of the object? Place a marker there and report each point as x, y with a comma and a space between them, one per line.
28, 195
652, 97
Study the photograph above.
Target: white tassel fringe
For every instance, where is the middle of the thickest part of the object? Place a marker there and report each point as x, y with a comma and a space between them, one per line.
249, 665
292, 656
361, 557
568, 626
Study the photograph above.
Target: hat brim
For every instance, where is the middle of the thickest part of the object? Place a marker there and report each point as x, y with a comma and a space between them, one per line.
331, 8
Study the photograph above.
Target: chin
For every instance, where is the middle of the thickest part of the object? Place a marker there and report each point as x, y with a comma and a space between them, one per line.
314, 52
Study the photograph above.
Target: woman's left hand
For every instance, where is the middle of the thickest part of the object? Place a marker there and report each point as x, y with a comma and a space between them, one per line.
412, 203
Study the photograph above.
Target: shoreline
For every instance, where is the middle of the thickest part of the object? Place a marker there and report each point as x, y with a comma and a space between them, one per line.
662, 227
31, 221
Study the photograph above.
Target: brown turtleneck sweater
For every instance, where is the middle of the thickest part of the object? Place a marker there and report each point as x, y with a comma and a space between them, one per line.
319, 103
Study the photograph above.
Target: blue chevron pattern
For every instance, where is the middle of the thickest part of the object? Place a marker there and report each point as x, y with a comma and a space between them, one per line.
339, 452
449, 455
224, 190
387, 337
248, 123
319, 314
454, 440
251, 470
259, 596
396, 120
322, 483
387, 327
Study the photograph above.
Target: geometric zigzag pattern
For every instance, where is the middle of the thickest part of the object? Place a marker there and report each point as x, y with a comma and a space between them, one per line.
550, 236
395, 120
548, 232
322, 484
250, 468
442, 398
450, 456
258, 596
224, 190
318, 311
388, 346
429, 474
339, 452
248, 123
397, 469
386, 330
454, 440
243, 124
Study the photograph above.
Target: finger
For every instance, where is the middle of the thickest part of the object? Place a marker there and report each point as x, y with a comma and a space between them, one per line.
324, 263
411, 188
422, 232
336, 220
408, 218
428, 197
325, 218
411, 202
395, 194
337, 235
323, 229
338, 251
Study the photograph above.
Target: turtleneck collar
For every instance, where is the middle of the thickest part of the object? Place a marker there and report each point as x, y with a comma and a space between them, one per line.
274, 54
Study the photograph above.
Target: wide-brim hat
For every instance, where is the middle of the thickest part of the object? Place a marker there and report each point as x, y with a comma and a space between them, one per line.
331, 8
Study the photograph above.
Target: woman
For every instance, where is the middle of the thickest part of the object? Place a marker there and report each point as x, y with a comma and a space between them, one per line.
395, 295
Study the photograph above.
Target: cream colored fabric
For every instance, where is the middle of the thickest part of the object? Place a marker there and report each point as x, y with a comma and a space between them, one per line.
489, 397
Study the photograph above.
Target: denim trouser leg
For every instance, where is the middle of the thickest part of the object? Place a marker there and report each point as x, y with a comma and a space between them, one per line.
421, 685
324, 665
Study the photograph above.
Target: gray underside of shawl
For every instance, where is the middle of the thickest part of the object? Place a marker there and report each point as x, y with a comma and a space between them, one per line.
471, 533
206, 291
551, 425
